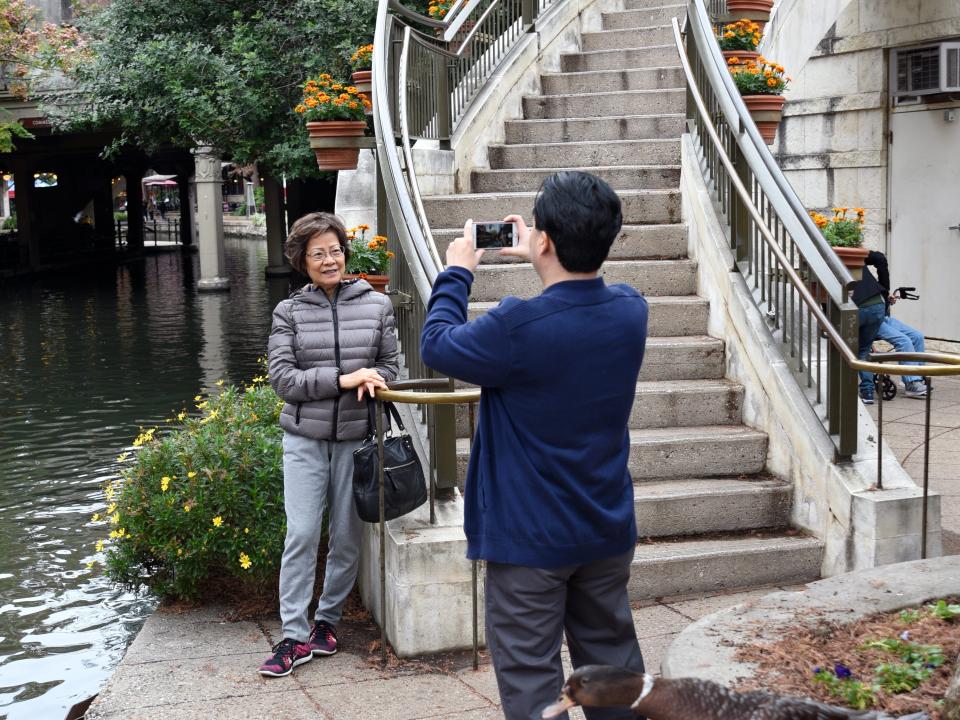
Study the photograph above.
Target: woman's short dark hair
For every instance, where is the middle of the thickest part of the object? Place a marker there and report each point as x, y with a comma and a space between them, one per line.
582, 215
307, 227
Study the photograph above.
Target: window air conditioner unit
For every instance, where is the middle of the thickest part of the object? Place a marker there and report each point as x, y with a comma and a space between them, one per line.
925, 70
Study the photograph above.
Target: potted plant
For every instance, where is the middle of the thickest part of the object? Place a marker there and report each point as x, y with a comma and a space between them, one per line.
437, 9
761, 84
739, 40
756, 10
335, 114
368, 260
845, 235
361, 62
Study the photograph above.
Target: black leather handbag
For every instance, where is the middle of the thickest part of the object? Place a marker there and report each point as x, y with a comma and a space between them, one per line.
404, 486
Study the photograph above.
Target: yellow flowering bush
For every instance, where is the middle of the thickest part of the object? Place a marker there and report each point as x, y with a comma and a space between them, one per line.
324, 99
740, 35
362, 58
367, 258
201, 500
840, 230
760, 77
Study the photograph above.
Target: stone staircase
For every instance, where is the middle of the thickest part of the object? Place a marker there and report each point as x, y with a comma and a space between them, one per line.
708, 516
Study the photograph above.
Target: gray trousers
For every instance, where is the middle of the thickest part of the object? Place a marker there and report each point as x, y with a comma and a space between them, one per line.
317, 475
529, 609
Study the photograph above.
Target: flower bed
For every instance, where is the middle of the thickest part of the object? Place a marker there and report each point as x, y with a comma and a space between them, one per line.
899, 662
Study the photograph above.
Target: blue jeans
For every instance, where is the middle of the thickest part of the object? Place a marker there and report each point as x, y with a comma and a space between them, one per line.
903, 338
871, 318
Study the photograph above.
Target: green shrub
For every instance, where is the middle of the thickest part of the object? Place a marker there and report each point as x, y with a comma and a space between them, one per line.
202, 502
120, 216
10, 223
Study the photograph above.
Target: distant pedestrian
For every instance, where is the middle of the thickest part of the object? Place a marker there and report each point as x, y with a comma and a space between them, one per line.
332, 342
548, 497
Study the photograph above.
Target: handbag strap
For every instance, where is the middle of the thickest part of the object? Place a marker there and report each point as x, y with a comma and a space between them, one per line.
390, 409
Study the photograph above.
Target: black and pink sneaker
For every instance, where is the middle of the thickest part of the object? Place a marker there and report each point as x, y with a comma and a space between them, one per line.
323, 639
287, 654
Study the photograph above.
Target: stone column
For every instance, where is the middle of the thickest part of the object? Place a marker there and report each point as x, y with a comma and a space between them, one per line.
276, 226
26, 233
208, 179
5, 199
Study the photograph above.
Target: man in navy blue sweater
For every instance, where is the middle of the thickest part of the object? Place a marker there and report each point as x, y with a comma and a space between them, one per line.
548, 497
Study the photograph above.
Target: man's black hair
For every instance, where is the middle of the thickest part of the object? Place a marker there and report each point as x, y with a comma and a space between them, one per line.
581, 214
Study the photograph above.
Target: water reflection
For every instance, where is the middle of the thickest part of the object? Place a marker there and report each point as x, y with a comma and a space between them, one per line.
85, 358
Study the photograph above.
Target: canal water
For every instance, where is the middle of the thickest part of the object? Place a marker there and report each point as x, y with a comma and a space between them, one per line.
86, 357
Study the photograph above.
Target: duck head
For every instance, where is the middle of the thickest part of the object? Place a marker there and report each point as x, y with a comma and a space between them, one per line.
600, 686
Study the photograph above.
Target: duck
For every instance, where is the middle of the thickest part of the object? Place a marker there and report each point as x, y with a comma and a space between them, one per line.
692, 699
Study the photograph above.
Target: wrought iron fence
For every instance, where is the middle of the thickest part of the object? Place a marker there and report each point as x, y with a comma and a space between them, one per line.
798, 282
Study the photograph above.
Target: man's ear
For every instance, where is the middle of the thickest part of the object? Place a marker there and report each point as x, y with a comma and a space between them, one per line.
544, 244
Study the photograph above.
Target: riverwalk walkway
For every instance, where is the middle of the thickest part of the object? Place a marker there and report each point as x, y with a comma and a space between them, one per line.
191, 665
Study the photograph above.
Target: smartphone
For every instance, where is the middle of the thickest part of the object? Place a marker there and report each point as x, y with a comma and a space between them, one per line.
494, 235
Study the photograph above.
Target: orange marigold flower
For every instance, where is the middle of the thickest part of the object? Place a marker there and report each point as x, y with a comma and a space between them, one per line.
338, 102
771, 82
372, 244
326, 76
337, 87
300, 109
733, 61
311, 102
352, 90
363, 227
390, 255
353, 105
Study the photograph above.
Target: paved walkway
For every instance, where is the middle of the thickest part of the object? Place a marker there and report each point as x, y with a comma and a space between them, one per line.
903, 431
194, 666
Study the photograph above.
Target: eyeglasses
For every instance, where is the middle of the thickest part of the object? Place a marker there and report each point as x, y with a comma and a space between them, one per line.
320, 255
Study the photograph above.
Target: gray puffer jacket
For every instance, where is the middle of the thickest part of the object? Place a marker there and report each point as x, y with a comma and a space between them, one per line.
314, 341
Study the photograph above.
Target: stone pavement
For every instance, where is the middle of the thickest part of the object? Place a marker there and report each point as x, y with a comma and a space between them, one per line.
903, 421
193, 665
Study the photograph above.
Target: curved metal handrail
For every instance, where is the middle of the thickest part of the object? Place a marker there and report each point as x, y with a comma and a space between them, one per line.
939, 363
830, 272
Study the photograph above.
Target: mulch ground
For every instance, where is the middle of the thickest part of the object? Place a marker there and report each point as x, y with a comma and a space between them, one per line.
787, 665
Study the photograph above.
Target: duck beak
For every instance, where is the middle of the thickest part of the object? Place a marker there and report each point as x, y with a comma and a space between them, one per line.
563, 703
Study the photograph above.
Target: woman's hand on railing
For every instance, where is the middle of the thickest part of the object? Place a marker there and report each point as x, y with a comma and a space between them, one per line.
461, 253
522, 250
365, 380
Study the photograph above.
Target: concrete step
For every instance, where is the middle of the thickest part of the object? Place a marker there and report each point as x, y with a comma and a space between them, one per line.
696, 451
644, 17
585, 154
650, 277
670, 316
623, 177
611, 80
627, 127
639, 207
607, 59
638, 37
664, 453
689, 567
687, 403
689, 357
643, 102
670, 508
647, 4
635, 242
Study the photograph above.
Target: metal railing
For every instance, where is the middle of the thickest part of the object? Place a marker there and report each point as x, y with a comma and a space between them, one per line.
797, 281
426, 74
155, 232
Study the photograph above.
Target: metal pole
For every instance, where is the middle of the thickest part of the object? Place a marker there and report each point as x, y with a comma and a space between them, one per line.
878, 389
383, 543
476, 632
926, 469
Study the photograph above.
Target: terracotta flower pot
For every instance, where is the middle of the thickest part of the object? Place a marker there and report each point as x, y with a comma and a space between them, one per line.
379, 282
853, 258
756, 10
767, 112
330, 140
363, 81
742, 55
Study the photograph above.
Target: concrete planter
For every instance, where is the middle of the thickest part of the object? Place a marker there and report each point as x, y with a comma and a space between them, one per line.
853, 258
756, 10
379, 282
336, 143
766, 111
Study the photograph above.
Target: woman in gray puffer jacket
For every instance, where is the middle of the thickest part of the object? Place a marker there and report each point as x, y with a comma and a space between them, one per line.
332, 342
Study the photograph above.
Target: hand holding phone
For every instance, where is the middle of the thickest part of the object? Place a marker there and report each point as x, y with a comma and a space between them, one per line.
494, 235
461, 252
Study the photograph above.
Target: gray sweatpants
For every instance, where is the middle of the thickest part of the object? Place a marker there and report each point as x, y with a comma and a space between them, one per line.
529, 609
317, 474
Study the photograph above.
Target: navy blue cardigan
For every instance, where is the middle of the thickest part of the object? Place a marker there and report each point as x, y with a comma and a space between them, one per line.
548, 483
